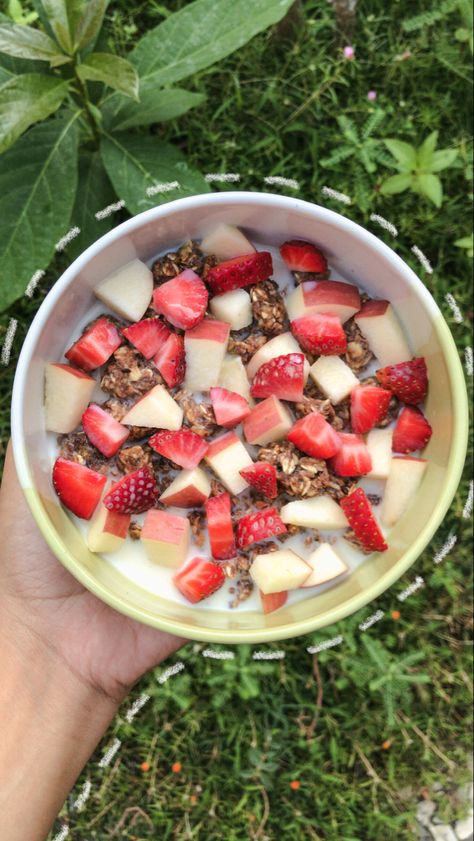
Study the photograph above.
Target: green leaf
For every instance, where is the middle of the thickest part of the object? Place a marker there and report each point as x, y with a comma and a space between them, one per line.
430, 186
37, 188
136, 163
90, 23
425, 152
15, 11
404, 154
25, 100
114, 71
396, 184
25, 42
442, 159
94, 192
200, 34
63, 17
155, 106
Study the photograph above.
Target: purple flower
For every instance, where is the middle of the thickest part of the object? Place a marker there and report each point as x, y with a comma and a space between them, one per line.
349, 52
372, 96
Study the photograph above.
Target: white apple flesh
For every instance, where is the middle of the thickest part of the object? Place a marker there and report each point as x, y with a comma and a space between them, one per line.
128, 290
280, 570
108, 530
205, 347
233, 377
279, 346
227, 456
333, 377
156, 409
403, 482
379, 445
233, 307
325, 296
226, 242
68, 392
319, 512
268, 421
165, 538
325, 564
189, 489
380, 326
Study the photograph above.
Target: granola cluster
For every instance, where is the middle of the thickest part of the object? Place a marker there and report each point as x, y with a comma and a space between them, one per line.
75, 446
268, 308
189, 256
199, 416
245, 348
129, 459
129, 374
301, 476
358, 354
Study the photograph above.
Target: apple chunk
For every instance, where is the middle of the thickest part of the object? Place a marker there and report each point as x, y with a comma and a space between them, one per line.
189, 489
379, 445
380, 326
67, 394
128, 290
108, 530
333, 377
233, 377
156, 409
319, 512
280, 570
279, 346
165, 537
403, 481
205, 347
234, 307
273, 601
268, 421
226, 242
326, 296
325, 564
227, 456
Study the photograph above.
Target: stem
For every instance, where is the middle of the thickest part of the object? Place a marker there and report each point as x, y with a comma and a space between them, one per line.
84, 96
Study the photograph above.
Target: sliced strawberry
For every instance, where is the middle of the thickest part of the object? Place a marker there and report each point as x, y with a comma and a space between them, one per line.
282, 377
134, 493
182, 300
198, 578
147, 335
183, 447
358, 511
320, 333
78, 487
219, 526
240, 271
408, 380
272, 601
412, 431
353, 459
369, 405
171, 360
95, 346
262, 477
258, 526
315, 436
103, 431
302, 256
229, 407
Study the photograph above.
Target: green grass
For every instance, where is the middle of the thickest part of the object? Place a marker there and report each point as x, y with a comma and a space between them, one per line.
242, 729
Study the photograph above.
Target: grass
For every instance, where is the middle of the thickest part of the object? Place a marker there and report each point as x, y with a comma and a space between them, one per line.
364, 740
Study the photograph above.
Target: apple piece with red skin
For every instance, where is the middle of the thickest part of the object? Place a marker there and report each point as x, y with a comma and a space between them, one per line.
108, 530
233, 377
227, 456
325, 296
325, 564
205, 347
189, 489
319, 512
156, 409
403, 481
278, 346
379, 445
333, 377
379, 324
67, 394
234, 307
268, 421
272, 601
226, 242
165, 537
273, 572
128, 290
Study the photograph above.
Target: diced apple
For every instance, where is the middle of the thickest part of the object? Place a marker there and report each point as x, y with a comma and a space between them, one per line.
319, 512
234, 377
379, 445
328, 296
403, 481
268, 421
280, 570
227, 456
67, 394
380, 326
128, 290
333, 377
234, 307
279, 346
108, 530
226, 242
205, 348
156, 409
189, 489
165, 537
273, 601
325, 564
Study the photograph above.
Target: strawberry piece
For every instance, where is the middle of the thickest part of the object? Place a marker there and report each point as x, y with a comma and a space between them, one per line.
302, 256
78, 487
182, 300
95, 346
320, 333
353, 458
282, 377
408, 380
229, 407
183, 447
147, 335
103, 431
198, 578
240, 271
220, 528
171, 360
314, 436
359, 513
412, 431
258, 526
134, 493
262, 477
369, 406
272, 601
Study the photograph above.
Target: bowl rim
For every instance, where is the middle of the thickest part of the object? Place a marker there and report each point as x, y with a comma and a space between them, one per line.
299, 627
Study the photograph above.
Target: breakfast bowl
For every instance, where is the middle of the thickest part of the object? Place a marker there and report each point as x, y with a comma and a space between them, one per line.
355, 256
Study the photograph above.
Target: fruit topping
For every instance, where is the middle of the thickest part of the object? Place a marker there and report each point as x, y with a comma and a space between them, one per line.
314, 436
408, 380
78, 487
229, 407
302, 256
183, 447
412, 431
282, 377
134, 493
320, 333
258, 526
241, 271
359, 513
262, 477
182, 300
103, 431
95, 346
147, 335
369, 406
353, 458
198, 578
220, 528
171, 361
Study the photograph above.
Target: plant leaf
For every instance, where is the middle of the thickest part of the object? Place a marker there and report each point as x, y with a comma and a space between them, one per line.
424, 154
25, 42
25, 100
136, 163
155, 106
94, 192
396, 184
430, 186
35, 213
442, 159
90, 23
63, 17
404, 154
114, 71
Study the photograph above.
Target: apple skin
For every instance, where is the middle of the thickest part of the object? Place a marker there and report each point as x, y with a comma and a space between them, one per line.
189, 489
268, 421
272, 601
278, 346
205, 347
324, 296
379, 324
233, 377
68, 392
108, 530
227, 456
165, 537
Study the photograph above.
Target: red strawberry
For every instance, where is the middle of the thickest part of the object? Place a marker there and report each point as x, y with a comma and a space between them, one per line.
79, 488
171, 360
240, 271
229, 407
412, 431
198, 578
95, 346
301, 256
263, 477
272, 601
353, 459
315, 436
103, 431
320, 333
369, 405
134, 493
282, 377
182, 300
183, 447
220, 528
258, 526
147, 335
358, 511
408, 380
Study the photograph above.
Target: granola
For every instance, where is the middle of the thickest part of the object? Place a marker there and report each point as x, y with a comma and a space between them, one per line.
351, 537
199, 416
324, 407
134, 530
189, 256
129, 374
247, 347
302, 277
75, 446
196, 521
358, 354
268, 308
298, 475
129, 459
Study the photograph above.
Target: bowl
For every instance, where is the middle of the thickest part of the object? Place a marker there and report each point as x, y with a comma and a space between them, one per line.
356, 255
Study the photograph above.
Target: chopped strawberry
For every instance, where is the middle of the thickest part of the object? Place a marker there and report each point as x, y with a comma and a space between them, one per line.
134, 493
183, 447
219, 526
198, 578
282, 377
171, 360
103, 431
262, 477
272, 601
182, 300
240, 271
408, 380
258, 526
229, 407
320, 333
412, 431
358, 511
95, 346
147, 335
353, 459
315, 436
302, 256
369, 405
78, 487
